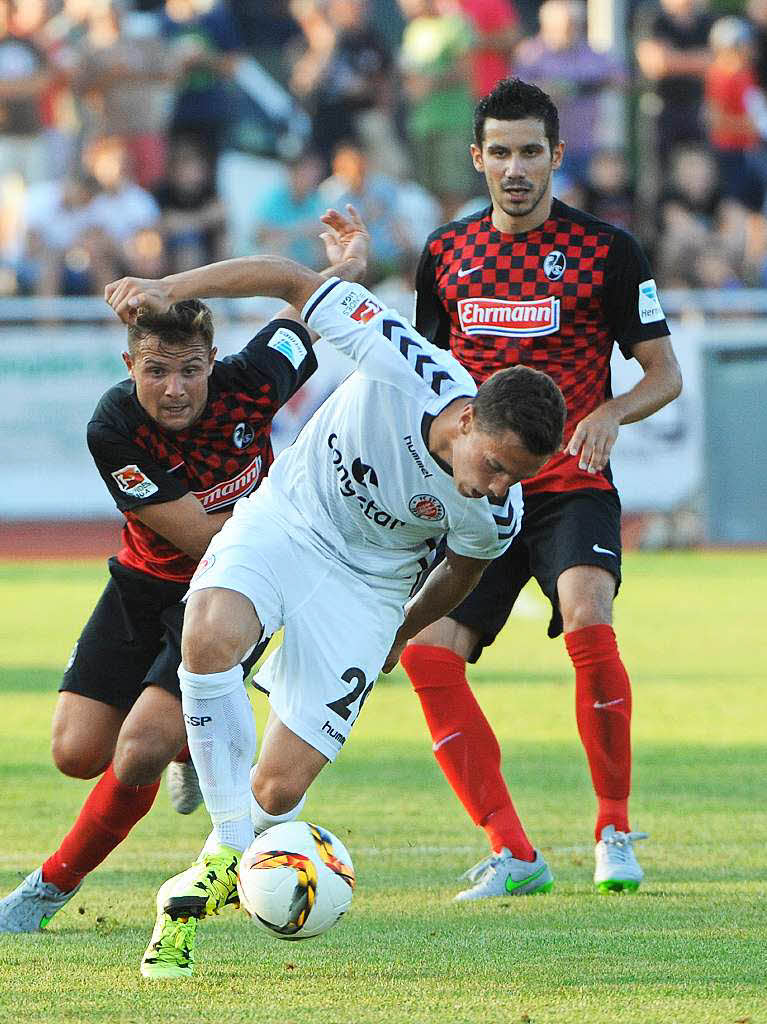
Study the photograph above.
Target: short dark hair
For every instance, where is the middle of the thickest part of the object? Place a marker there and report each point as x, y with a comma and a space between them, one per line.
526, 401
514, 100
182, 323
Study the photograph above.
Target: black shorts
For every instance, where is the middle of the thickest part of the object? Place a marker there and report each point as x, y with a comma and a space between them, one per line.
558, 531
132, 640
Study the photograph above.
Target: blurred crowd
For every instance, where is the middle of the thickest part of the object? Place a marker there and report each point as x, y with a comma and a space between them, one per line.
147, 136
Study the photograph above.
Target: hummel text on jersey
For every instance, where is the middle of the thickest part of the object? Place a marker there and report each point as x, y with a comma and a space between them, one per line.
509, 318
369, 508
416, 457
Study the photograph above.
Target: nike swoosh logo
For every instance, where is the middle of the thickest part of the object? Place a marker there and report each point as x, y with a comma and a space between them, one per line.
444, 740
603, 551
608, 703
469, 270
511, 885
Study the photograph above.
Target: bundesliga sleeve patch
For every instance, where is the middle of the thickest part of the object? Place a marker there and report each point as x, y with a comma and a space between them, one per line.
131, 480
289, 345
650, 309
359, 305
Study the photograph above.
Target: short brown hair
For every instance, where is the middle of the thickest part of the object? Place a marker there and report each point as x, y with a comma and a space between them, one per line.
514, 100
526, 401
182, 323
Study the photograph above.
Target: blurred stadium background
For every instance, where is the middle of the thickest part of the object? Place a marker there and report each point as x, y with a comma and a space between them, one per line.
143, 137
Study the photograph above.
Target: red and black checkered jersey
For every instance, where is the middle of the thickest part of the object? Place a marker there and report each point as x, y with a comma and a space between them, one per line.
556, 298
220, 458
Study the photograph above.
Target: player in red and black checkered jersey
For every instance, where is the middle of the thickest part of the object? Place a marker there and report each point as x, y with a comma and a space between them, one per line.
176, 444
530, 280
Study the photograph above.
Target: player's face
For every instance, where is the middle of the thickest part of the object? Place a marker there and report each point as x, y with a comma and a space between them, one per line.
171, 380
487, 464
517, 163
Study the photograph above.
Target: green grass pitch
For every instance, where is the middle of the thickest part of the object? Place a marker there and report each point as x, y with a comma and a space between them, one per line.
690, 947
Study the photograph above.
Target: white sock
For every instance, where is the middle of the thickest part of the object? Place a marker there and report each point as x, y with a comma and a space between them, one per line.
262, 820
222, 741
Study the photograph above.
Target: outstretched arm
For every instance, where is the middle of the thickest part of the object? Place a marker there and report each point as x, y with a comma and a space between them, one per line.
247, 276
445, 588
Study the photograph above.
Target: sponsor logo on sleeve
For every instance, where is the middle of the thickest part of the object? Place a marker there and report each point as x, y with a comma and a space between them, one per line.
131, 480
508, 318
290, 345
649, 306
360, 306
426, 506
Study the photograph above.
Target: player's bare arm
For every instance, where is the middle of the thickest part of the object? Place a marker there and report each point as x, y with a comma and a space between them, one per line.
184, 522
594, 437
452, 581
251, 275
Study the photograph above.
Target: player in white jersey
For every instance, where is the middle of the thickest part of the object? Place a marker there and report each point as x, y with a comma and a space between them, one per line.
406, 452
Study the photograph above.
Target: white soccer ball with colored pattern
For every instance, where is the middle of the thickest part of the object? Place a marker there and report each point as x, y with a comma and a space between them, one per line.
296, 880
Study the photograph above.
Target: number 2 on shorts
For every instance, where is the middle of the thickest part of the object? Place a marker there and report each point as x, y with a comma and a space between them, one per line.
343, 706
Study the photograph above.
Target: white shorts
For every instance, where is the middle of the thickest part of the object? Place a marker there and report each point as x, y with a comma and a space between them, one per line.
338, 628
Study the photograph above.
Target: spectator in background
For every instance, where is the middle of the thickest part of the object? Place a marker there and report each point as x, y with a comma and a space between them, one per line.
193, 223
496, 32
125, 82
376, 198
561, 62
756, 10
672, 53
435, 61
205, 45
345, 73
56, 260
265, 29
736, 114
286, 217
25, 74
120, 209
688, 214
608, 192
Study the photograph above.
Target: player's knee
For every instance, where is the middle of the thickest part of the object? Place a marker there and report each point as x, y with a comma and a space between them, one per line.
76, 761
212, 640
277, 794
141, 758
586, 611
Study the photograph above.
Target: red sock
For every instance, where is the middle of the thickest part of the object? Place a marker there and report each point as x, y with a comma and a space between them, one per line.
464, 745
183, 755
107, 816
603, 712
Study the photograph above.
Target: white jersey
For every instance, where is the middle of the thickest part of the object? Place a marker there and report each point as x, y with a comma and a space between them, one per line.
359, 478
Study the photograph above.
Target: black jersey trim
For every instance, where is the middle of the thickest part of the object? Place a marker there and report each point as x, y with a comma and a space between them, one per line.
308, 310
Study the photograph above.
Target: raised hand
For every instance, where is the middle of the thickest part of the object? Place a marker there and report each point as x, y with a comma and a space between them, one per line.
130, 294
346, 238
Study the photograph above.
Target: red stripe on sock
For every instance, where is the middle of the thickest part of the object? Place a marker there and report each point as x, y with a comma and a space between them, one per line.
603, 712
107, 816
465, 745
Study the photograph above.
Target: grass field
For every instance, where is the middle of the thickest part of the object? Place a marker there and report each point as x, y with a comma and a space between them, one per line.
690, 947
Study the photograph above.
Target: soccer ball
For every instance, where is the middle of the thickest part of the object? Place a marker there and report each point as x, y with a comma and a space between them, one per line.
296, 880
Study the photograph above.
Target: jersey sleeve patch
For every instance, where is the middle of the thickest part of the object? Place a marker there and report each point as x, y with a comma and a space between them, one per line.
131, 480
649, 304
289, 345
